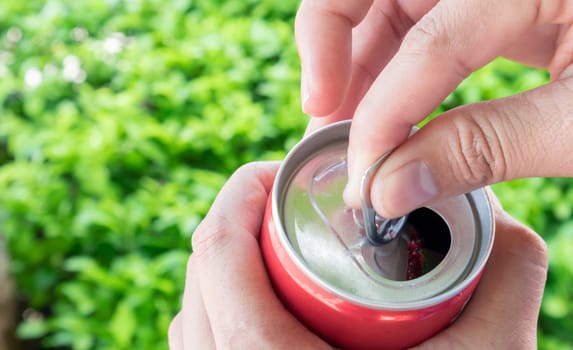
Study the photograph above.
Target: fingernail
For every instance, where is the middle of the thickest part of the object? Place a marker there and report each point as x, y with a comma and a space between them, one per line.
405, 189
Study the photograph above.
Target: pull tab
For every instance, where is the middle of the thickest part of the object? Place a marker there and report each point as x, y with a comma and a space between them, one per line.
379, 230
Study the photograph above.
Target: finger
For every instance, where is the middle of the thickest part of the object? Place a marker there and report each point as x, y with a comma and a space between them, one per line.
175, 336
452, 40
564, 55
504, 309
323, 31
466, 148
239, 202
243, 311
536, 47
374, 42
197, 333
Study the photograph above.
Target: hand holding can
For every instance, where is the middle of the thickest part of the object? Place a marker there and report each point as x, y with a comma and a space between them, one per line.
229, 302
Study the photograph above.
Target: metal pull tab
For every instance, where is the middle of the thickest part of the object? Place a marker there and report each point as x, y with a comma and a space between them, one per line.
379, 230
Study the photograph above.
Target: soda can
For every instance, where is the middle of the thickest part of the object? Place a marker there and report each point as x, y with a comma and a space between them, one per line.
352, 293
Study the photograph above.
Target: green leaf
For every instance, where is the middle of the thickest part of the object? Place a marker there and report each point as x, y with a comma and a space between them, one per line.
31, 329
122, 325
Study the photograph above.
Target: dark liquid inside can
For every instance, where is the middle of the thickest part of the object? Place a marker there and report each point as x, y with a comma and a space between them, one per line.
429, 242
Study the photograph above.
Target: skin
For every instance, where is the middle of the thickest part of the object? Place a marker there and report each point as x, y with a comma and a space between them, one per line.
229, 302
389, 63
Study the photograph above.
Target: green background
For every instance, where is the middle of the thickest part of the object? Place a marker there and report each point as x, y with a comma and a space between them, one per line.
120, 121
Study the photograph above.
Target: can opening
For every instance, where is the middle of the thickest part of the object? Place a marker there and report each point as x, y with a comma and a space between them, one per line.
434, 238
425, 242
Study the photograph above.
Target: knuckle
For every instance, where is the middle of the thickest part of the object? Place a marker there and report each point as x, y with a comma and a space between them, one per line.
210, 238
478, 156
427, 36
432, 39
396, 17
532, 246
246, 169
249, 171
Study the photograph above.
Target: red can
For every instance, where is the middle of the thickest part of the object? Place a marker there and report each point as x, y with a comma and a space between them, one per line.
353, 294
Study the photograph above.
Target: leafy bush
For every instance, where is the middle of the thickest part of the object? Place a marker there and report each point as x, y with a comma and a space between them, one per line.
120, 121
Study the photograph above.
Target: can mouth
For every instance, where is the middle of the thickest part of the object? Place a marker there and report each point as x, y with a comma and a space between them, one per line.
421, 246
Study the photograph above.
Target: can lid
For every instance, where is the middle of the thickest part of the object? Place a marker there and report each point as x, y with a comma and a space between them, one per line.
328, 241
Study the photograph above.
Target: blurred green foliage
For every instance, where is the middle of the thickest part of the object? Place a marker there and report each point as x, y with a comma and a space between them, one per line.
120, 121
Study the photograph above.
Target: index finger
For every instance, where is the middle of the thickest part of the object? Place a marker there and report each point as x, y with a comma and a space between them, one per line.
445, 46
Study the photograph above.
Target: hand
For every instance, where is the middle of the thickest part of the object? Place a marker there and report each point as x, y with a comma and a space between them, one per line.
229, 303
390, 63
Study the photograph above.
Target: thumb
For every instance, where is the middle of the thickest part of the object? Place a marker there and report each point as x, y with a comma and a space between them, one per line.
525, 135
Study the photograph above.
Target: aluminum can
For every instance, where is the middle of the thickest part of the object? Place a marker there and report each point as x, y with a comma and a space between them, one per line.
351, 293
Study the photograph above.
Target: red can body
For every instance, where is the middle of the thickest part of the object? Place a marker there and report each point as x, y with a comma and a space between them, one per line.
341, 321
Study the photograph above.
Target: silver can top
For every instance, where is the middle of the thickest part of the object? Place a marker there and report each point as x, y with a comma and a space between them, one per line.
441, 250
